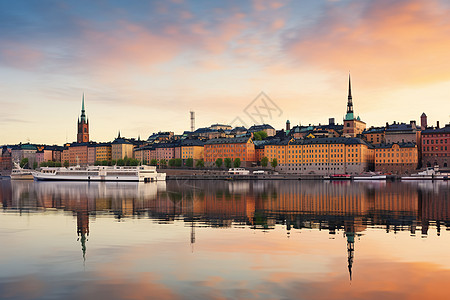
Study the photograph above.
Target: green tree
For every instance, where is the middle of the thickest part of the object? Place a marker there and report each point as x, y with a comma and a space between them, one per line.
153, 162
35, 165
104, 162
24, 162
219, 162
113, 162
237, 162
97, 163
178, 162
133, 162
162, 163
189, 162
200, 163
172, 162
264, 161
227, 162
121, 162
66, 163
274, 163
58, 164
259, 135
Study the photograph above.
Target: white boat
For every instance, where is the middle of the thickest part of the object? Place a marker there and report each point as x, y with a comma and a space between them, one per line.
370, 176
238, 171
19, 173
428, 174
101, 173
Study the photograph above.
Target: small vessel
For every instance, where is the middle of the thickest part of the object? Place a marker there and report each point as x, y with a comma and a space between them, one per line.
340, 177
370, 176
238, 171
19, 173
101, 173
432, 173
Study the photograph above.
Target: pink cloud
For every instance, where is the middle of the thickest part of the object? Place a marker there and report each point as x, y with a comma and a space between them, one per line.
401, 41
20, 55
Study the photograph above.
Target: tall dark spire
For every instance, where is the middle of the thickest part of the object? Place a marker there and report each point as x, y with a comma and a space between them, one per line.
83, 112
350, 102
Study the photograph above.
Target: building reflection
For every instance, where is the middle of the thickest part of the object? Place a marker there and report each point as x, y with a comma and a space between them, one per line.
347, 207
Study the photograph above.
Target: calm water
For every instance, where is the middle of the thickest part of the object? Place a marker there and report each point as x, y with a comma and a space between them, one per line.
225, 240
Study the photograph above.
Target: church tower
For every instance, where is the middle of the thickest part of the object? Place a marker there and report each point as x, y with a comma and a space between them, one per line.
83, 126
352, 126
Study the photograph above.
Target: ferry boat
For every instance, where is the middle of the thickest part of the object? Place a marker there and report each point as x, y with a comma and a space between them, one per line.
431, 173
19, 173
238, 171
101, 173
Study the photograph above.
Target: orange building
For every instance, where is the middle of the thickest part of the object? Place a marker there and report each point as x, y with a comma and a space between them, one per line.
397, 158
242, 148
78, 154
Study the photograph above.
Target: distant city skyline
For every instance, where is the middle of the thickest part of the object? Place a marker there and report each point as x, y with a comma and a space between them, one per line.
144, 67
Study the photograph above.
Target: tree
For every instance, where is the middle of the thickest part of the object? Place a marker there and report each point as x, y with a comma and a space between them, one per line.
153, 162
172, 162
178, 162
189, 162
104, 162
35, 165
162, 163
274, 163
121, 162
200, 163
24, 162
237, 162
228, 162
97, 163
259, 135
264, 161
219, 162
66, 163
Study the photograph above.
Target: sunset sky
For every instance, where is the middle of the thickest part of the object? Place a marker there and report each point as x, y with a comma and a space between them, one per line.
143, 65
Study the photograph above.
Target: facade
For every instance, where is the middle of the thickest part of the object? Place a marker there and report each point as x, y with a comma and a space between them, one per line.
322, 156
192, 149
264, 127
396, 158
242, 148
83, 126
121, 148
436, 147
145, 154
220, 127
44, 155
22, 151
165, 151
103, 152
353, 126
5, 161
78, 154
375, 135
402, 133
92, 154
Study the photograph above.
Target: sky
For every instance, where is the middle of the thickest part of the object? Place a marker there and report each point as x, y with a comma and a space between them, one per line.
143, 65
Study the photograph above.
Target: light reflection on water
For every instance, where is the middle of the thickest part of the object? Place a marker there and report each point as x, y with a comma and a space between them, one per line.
217, 239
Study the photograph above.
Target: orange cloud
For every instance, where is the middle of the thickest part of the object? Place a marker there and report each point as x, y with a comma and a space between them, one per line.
391, 41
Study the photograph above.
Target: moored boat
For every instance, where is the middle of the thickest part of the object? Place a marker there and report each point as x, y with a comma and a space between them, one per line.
19, 173
101, 173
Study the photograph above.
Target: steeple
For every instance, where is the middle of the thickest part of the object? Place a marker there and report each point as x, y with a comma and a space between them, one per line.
83, 112
350, 102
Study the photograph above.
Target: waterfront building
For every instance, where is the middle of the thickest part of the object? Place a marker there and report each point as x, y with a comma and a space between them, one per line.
145, 154
165, 151
241, 147
353, 126
44, 155
65, 154
396, 158
5, 161
103, 152
78, 154
436, 147
21, 151
121, 148
192, 148
264, 127
91, 154
322, 156
83, 126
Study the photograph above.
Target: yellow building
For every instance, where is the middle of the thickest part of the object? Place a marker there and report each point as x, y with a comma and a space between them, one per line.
324, 156
103, 152
397, 158
121, 148
192, 149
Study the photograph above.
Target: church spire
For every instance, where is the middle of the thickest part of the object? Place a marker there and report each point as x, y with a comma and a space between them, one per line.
83, 111
350, 102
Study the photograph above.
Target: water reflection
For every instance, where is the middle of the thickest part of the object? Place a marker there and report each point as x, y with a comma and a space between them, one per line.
346, 209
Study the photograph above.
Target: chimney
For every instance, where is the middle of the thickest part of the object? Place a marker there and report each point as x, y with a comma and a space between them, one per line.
423, 121
331, 121
437, 124
288, 125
